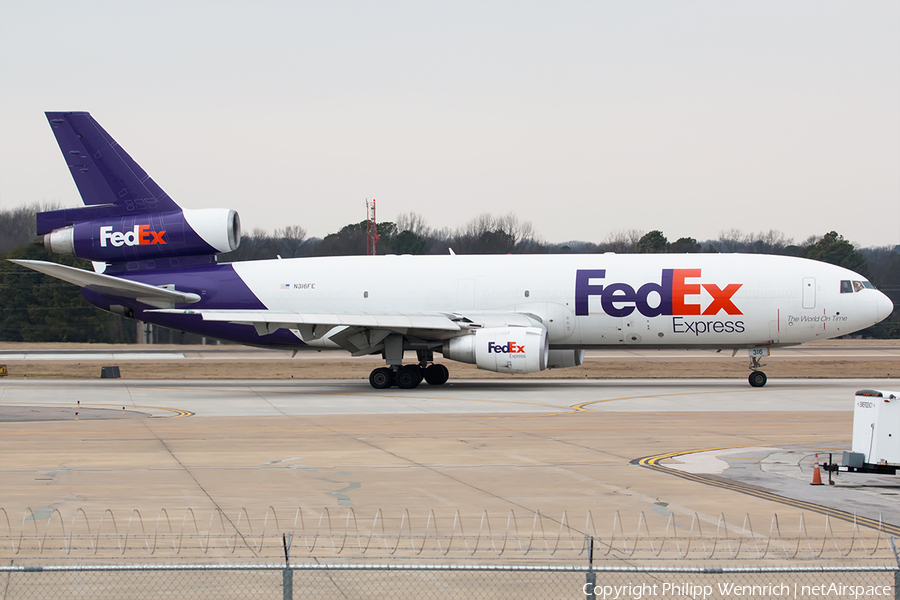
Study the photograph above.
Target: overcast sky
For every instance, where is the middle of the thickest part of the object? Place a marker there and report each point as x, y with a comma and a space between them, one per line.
581, 117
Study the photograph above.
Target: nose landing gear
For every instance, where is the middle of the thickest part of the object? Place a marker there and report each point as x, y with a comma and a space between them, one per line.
757, 378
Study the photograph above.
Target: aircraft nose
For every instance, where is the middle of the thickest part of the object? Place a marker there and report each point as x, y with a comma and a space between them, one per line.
885, 307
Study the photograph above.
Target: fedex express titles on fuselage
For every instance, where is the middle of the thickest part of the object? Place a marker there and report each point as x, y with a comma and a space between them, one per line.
588, 301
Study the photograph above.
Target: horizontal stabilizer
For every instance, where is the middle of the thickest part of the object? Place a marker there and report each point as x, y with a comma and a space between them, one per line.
112, 286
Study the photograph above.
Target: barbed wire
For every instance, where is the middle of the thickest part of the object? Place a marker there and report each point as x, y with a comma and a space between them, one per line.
535, 535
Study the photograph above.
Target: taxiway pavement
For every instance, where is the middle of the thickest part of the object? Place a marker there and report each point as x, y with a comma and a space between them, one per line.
684, 448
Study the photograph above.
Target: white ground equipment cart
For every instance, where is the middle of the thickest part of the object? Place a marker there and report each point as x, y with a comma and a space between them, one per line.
876, 434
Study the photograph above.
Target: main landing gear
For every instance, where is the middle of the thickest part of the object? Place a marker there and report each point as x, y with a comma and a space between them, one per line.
407, 377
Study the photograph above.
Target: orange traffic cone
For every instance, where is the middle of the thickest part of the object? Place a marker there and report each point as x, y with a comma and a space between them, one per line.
817, 475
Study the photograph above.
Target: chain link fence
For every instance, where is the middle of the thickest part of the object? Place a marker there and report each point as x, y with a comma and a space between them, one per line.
280, 582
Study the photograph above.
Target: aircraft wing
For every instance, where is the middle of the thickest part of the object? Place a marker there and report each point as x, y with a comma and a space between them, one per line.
359, 334
268, 321
159, 297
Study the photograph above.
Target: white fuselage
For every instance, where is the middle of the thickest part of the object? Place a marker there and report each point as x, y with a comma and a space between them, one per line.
589, 301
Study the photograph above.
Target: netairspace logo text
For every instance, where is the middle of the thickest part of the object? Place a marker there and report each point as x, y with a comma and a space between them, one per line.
732, 590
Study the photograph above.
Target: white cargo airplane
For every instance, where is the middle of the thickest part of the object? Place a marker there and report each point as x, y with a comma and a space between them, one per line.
155, 261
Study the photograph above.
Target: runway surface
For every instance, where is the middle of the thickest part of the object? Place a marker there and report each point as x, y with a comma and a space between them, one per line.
255, 398
689, 448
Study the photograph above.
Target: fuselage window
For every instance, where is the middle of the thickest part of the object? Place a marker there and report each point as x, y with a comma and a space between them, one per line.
846, 287
857, 286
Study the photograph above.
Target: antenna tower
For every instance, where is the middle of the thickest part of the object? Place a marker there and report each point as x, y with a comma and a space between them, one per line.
371, 228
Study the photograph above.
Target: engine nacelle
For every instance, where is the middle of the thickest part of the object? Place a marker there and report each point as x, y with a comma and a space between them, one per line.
502, 349
149, 236
564, 359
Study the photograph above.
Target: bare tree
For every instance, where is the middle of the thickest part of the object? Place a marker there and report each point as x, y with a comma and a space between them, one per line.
732, 240
622, 241
290, 240
413, 222
764, 242
17, 225
769, 242
487, 234
291, 232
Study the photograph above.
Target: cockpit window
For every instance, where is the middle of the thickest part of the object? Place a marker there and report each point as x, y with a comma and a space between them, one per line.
849, 287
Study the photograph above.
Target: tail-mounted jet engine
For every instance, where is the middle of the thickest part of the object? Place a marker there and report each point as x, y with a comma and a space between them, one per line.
149, 236
502, 349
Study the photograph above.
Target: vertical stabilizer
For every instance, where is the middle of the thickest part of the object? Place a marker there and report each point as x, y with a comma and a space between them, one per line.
106, 176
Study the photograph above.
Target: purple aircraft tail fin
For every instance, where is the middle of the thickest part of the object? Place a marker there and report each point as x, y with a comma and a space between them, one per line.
127, 221
111, 183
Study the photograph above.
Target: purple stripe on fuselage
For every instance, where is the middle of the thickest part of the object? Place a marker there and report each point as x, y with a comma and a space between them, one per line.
218, 286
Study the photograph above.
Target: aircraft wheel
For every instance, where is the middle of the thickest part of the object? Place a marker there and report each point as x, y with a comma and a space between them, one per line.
381, 379
408, 377
436, 374
757, 379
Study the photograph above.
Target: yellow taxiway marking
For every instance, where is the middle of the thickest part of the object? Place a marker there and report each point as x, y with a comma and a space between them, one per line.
652, 462
179, 412
349, 395
582, 405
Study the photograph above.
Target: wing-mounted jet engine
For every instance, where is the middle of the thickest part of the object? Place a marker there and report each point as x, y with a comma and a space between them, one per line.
502, 349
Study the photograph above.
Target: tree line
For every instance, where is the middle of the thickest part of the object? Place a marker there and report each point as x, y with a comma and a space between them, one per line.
34, 307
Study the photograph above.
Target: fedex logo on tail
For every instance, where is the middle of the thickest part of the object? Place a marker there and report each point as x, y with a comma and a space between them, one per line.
141, 235
508, 348
672, 296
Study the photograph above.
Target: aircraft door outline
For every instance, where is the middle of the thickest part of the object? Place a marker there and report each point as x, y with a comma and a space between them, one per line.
809, 292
